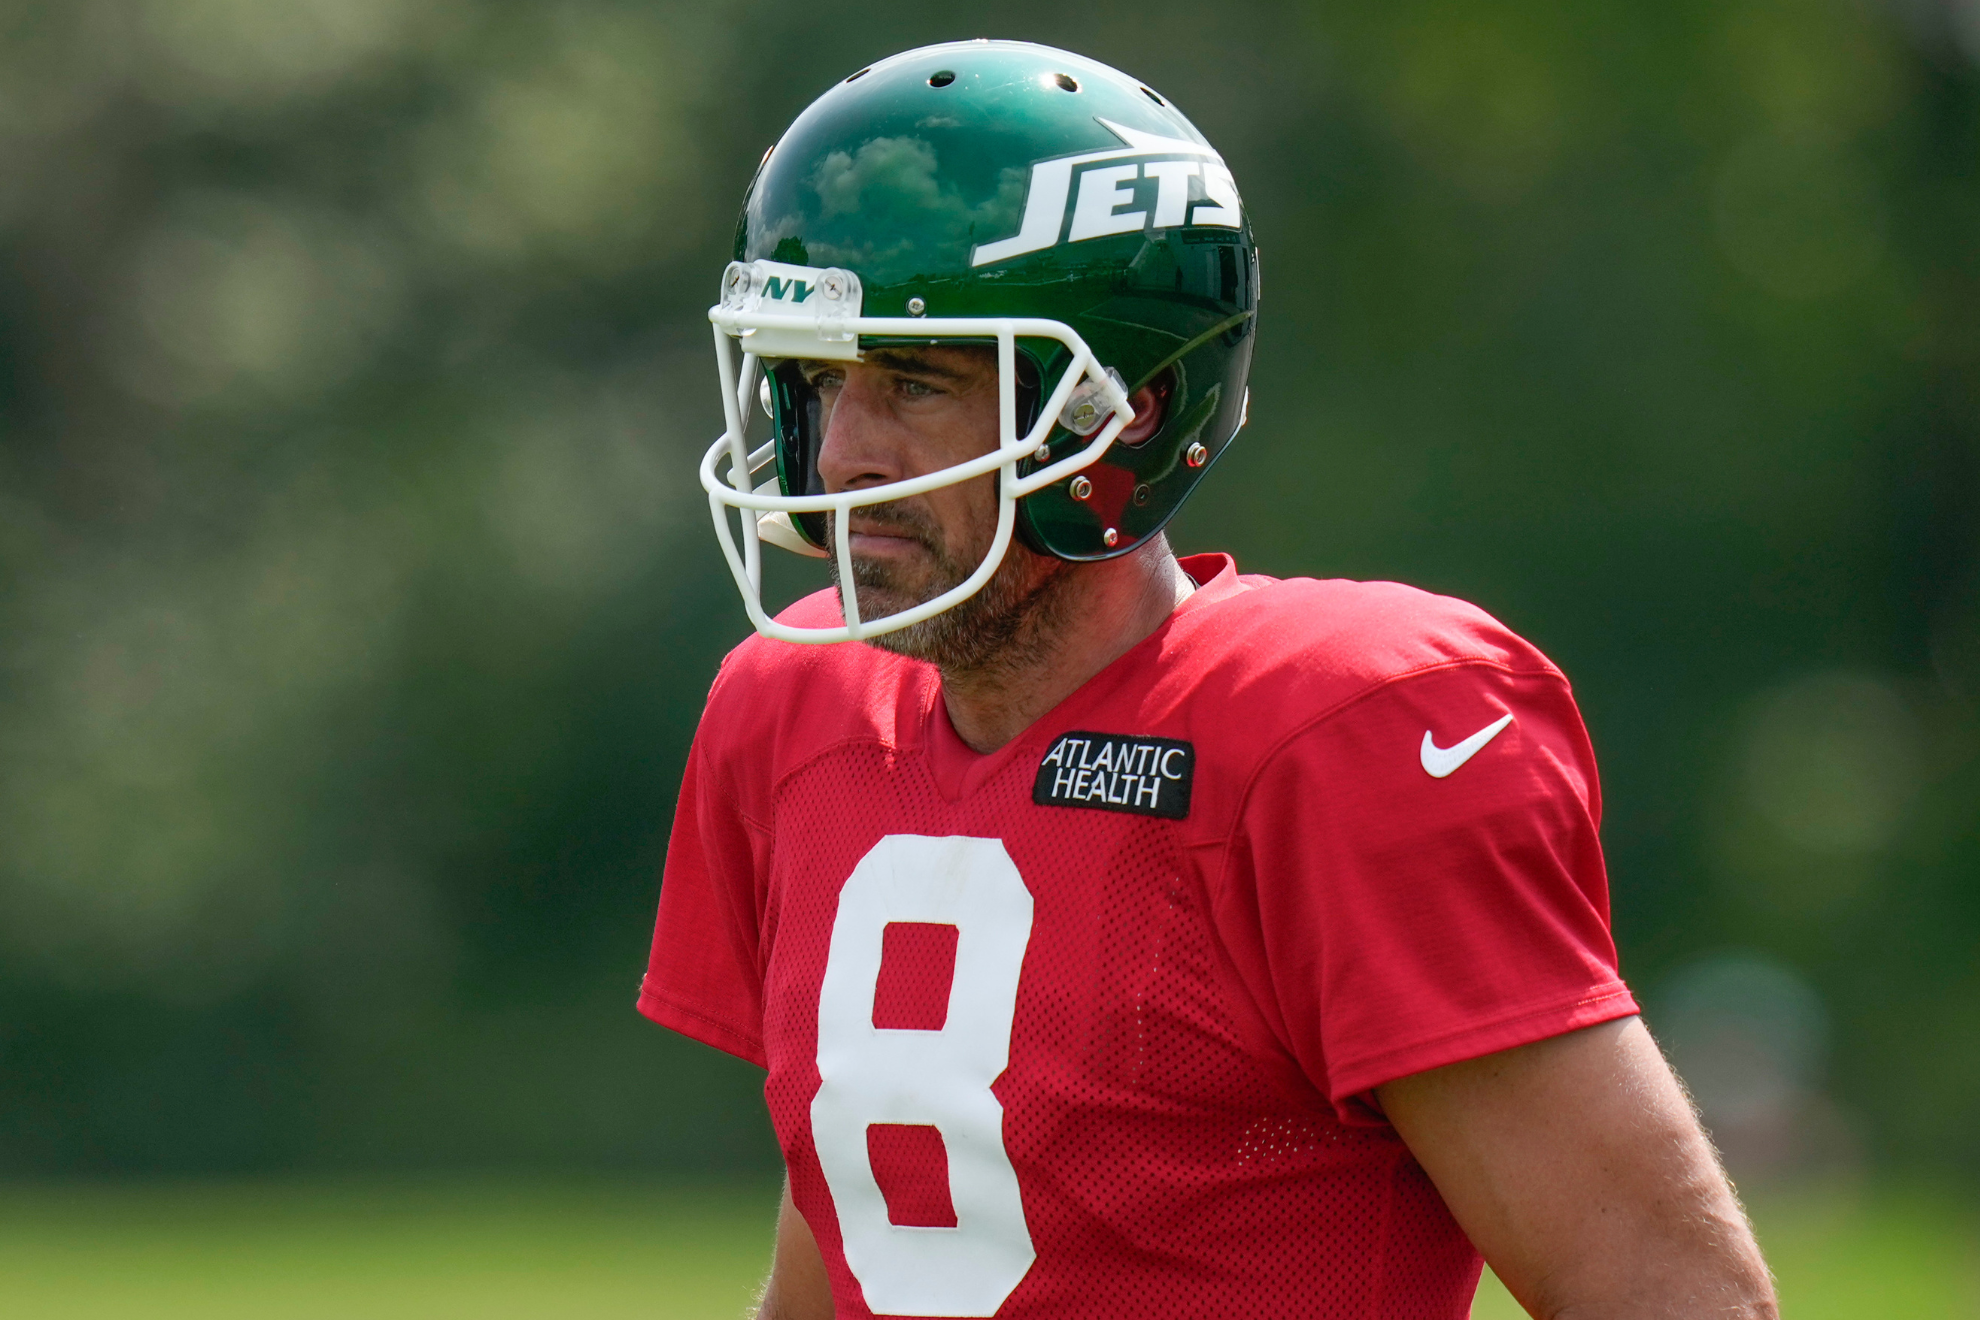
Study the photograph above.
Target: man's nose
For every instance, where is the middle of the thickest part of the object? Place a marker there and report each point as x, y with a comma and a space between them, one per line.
858, 449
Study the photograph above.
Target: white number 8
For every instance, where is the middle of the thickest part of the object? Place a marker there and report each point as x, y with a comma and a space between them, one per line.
869, 1074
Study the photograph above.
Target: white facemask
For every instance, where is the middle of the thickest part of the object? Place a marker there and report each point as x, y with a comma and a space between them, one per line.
774, 310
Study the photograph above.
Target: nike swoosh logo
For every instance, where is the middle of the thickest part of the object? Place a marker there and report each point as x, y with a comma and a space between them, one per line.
1440, 761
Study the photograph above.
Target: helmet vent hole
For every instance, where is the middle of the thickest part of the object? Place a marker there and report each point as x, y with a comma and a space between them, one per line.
942, 79
1066, 82
1149, 92
861, 74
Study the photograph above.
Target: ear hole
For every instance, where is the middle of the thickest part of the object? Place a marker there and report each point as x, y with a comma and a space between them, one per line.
1066, 82
1164, 386
1149, 92
942, 79
861, 74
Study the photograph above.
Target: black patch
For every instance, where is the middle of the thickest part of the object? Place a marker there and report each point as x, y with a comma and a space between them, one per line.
1117, 772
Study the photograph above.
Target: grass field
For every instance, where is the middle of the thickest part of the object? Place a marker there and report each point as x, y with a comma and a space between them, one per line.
604, 1251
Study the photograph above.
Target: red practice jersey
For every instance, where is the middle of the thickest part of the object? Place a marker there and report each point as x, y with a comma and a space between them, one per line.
1089, 1026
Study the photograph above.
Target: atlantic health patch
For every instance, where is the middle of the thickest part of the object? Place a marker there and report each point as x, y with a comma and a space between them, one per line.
1117, 772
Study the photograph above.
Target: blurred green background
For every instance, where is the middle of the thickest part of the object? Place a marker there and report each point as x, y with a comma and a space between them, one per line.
358, 598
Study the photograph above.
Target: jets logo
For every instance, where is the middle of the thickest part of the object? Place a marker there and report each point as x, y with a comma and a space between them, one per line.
1152, 182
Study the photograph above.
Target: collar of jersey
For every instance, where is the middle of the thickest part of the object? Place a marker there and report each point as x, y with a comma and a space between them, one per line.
960, 771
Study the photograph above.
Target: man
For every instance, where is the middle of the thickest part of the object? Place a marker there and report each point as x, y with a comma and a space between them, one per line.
1124, 936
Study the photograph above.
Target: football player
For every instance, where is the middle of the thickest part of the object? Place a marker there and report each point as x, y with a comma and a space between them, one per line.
1125, 936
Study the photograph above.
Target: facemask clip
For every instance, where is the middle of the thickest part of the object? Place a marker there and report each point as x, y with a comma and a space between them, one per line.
1087, 410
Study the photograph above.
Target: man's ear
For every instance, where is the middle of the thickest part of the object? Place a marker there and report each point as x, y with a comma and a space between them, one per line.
1151, 408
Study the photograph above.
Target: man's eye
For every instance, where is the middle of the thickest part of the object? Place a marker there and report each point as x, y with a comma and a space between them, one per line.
828, 380
917, 388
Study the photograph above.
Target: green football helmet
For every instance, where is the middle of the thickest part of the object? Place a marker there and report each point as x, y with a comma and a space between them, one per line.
1003, 194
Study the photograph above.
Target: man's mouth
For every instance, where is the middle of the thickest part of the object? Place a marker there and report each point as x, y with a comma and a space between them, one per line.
884, 538
882, 543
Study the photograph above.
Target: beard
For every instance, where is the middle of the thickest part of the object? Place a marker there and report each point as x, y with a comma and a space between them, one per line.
1002, 625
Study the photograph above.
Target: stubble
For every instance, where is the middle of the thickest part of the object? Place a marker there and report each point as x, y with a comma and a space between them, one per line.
1006, 625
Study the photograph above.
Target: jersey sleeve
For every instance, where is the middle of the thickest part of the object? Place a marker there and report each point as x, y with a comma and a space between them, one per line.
1408, 919
704, 978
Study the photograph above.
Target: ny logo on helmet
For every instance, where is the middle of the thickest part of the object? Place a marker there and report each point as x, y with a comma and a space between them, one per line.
783, 289
1196, 190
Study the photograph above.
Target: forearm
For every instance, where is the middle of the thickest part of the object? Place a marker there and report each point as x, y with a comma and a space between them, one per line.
1701, 1262
1667, 1238
1580, 1172
798, 1287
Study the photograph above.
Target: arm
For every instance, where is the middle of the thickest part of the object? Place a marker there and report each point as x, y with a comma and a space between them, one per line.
1578, 1169
798, 1288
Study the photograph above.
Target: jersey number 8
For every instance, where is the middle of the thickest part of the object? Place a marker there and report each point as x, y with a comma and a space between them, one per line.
870, 1075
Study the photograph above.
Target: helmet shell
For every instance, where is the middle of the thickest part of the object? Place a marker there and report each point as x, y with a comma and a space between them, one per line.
921, 174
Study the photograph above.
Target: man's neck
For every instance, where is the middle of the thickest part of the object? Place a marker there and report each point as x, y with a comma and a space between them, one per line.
1101, 611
